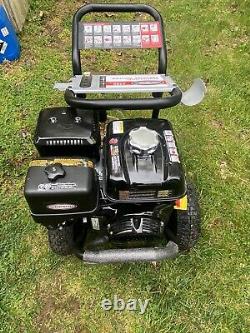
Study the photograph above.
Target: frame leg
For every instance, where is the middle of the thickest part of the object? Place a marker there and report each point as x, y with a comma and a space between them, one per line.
155, 114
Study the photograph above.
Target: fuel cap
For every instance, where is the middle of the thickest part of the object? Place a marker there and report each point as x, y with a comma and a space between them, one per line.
143, 140
55, 171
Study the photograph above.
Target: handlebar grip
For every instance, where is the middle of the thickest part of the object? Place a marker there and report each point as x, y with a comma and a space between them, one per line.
125, 104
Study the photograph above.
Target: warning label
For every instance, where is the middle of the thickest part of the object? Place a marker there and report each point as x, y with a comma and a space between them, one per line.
135, 81
120, 35
118, 127
181, 204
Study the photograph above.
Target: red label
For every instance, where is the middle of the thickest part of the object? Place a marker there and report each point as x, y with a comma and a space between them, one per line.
151, 35
113, 141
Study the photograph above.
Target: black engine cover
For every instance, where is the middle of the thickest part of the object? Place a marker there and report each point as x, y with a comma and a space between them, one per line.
139, 177
66, 131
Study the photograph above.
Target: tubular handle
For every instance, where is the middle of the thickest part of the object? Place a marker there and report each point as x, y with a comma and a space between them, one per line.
125, 104
115, 8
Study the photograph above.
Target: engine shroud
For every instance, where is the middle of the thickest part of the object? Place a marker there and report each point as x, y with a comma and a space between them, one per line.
144, 171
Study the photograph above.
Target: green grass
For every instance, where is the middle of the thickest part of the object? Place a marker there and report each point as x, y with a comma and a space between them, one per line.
203, 291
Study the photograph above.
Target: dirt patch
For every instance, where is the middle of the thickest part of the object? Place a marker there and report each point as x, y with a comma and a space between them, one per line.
54, 304
216, 223
217, 124
54, 23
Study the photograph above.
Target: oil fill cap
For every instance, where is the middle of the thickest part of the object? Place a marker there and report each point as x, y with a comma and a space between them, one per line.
143, 140
55, 171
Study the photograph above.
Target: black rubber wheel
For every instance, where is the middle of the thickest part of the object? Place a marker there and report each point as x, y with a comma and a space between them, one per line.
186, 224
61, 240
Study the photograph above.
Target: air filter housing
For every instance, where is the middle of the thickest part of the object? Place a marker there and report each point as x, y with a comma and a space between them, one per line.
66, 131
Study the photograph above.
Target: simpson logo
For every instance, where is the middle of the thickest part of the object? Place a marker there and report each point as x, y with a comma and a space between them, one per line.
62, 206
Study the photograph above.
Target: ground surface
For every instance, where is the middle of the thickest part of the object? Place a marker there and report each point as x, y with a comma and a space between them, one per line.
204, 291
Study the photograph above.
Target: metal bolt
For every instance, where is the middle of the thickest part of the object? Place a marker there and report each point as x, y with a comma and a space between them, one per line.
78, 120
53, 120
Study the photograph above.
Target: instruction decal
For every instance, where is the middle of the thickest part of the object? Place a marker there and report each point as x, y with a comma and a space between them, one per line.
135, 81
120, 35
171, 146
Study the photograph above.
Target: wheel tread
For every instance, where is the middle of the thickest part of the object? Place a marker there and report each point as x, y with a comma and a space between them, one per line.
188, 222
61, 240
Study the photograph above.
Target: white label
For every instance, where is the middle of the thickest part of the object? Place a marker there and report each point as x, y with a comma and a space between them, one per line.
154, 27
117, 40
127, 40
126, 28
3, 46
95, 223
98, 40
167, 132
5, 31
118, 127
136, 28
172, 150
174, 158
97, 29
171, 144
116, 29
108, 40
88, 29
137, 81
137, 40
169, 138
88, 41
107, 29
155, 38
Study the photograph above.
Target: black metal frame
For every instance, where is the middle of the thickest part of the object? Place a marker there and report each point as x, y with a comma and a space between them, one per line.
157, 102
115, 8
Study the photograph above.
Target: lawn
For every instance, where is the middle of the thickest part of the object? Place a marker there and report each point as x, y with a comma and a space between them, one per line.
205, 290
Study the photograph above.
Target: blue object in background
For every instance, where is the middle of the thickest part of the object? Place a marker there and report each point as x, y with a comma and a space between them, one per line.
9, 44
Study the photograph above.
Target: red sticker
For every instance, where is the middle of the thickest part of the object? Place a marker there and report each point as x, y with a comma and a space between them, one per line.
113, 141
151, 35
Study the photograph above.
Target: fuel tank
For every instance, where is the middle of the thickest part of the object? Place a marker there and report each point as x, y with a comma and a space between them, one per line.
142, 162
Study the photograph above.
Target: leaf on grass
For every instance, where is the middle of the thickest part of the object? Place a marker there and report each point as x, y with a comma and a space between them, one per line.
224, 170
